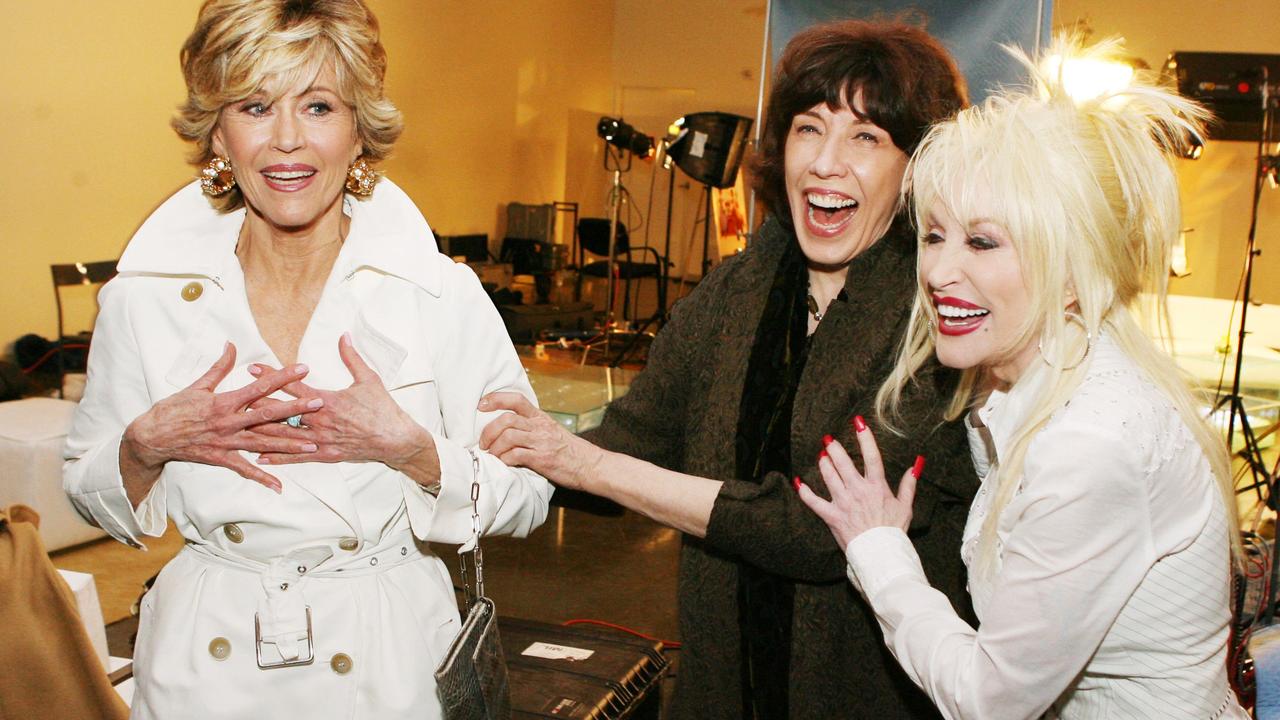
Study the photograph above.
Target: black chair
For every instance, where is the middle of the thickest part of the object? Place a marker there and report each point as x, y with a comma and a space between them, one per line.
593, 237
93, 273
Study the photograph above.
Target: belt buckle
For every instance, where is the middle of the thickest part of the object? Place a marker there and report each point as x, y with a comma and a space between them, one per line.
306, 659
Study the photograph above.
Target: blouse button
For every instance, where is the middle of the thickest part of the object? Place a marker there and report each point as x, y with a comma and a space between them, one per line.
192, 291
233, 533
220, 648
348, 543
341, 663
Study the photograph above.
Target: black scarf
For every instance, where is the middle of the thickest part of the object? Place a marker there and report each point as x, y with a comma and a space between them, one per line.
763, 445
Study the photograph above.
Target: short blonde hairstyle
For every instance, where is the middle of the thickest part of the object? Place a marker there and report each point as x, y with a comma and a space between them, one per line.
239, 45
1087, 191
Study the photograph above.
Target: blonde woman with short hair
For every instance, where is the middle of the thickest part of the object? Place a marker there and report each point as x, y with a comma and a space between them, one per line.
288, 369
1099, 546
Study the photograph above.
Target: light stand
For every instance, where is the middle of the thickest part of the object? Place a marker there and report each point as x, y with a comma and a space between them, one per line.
614, 162
616, 134
1251, 453
660, 316
1264, 168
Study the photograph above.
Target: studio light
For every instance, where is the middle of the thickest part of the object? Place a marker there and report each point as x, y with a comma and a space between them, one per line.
1085, 79
709, 146
621, 135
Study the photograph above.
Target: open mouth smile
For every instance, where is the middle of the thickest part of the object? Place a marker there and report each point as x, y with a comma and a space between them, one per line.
827, 213
958, 317
288, 178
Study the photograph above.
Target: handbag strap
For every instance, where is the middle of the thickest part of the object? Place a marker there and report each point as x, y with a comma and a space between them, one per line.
477, 555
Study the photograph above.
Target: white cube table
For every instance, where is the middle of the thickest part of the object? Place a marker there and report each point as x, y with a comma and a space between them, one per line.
32, 432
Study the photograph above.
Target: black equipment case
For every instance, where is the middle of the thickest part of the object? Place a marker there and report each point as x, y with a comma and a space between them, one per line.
620, 679
524, 322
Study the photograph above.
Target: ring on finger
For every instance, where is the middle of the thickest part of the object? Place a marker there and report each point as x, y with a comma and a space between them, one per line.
294, 421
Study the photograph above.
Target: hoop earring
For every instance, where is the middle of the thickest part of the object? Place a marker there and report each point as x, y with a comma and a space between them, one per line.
1088, 339
361, 178
216, 178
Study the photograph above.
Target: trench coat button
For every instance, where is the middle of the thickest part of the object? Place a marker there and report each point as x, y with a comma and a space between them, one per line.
220, 648
341, 663
233, 533
192, 291
348, 543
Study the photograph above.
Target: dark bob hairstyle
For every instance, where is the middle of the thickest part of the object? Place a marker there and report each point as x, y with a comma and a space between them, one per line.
908, 83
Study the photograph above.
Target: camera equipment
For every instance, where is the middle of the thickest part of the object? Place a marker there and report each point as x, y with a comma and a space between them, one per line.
621, 135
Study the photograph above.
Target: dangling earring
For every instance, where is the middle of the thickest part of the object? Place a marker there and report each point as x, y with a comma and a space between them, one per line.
1088, 339
361, 178
216, 178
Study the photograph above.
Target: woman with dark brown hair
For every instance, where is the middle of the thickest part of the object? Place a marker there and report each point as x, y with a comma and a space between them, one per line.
782, 345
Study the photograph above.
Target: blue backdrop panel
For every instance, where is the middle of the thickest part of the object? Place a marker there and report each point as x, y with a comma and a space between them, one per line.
972, 30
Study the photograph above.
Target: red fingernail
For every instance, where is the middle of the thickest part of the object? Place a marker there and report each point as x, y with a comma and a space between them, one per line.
822, 454
918, 467
859, 424
795, 483
827, 440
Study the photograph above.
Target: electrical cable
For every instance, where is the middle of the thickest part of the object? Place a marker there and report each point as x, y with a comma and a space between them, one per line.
50, 353
666, 644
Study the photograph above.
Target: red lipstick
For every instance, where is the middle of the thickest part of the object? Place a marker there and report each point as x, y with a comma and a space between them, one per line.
958, 325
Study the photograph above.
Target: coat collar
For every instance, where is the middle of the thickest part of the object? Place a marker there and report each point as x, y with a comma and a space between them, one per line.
1004, 413
186, 236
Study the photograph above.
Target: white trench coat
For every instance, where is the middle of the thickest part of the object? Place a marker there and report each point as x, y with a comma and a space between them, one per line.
344, 548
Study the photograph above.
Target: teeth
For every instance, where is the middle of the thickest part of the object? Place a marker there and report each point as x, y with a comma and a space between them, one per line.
951, 311
831, 202
290, 175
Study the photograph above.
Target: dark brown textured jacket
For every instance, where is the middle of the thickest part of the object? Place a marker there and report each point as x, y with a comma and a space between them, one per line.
682, 413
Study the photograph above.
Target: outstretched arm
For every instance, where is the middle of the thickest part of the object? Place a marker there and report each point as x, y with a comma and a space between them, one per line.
527, 437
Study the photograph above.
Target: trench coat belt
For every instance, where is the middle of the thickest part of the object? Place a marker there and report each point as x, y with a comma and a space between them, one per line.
283, 620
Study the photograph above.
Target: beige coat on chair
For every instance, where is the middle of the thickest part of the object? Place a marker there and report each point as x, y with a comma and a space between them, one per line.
343, 549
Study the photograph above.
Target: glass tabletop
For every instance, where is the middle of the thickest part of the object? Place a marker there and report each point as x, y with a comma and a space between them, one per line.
576, 395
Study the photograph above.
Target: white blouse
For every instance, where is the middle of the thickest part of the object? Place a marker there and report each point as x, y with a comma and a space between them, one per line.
1110, 594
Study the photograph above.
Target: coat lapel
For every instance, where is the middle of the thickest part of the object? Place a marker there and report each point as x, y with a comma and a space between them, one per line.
726, 370
840, 377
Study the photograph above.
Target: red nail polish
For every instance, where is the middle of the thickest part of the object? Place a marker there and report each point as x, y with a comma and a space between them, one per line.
918, 467
822, 454
827, 440
859, 424
795, 483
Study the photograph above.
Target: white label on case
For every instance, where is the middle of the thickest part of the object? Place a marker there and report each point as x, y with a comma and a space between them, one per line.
557, 652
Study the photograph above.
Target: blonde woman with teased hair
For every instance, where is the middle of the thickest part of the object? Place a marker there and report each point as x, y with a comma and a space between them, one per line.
1099, 546
289, 370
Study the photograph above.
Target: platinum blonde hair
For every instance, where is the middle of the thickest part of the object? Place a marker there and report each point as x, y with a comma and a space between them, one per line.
238, 46
1087, 191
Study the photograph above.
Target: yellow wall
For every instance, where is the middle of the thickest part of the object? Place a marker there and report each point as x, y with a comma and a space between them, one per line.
87, 89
